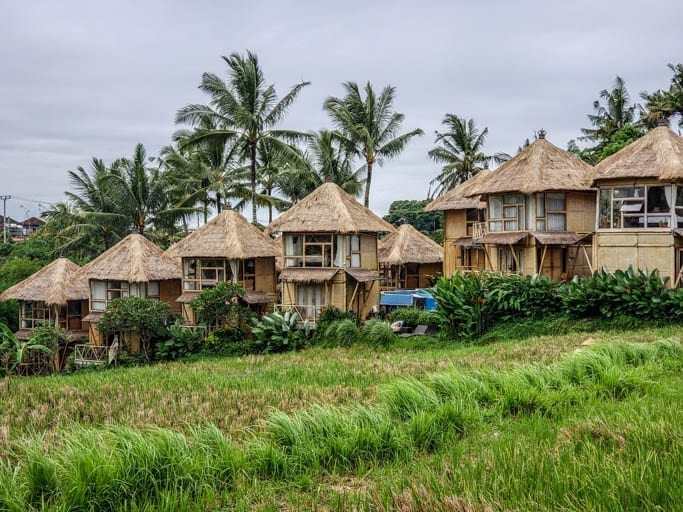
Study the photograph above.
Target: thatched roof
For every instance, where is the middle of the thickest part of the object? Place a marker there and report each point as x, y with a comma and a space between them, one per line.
559, 237
135, 260
408, 245
328, 209
540, 167
308, 275
455, 199
50, 285
658, 154
228, 235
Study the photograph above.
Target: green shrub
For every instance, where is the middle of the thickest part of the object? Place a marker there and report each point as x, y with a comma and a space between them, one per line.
229, 342
462, 304
409, 316
278, 332
132, 315
627, 292
182, 340
377, 332
510, 297
342, 332
221, 306
328, 316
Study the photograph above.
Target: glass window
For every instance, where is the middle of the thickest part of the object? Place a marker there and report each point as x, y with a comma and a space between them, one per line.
635, 207
506, 213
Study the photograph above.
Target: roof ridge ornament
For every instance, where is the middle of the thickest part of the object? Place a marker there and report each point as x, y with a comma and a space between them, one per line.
541, 133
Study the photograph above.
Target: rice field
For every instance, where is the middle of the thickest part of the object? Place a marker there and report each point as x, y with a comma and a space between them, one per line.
535, 424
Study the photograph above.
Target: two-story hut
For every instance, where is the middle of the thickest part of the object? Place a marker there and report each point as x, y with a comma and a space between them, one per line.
227, 249
329, 253
408, 259
639, 219
52, 296
134, 267
462, 216
540, 213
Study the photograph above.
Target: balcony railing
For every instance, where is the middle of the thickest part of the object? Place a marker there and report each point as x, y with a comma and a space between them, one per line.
305, 311
86, 355
479, 229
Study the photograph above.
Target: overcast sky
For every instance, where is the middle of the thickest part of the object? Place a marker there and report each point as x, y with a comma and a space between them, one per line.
87, 78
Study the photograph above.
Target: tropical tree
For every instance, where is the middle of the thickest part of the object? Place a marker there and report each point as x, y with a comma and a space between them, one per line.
662, 105
368, 126
459, 148
95, 212
330, 160
616, 112
140, 194
14, 352
245, 110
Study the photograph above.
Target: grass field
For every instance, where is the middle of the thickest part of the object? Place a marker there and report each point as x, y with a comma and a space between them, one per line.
511, 425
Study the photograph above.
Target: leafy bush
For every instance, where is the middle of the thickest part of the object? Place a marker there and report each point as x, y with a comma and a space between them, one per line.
512, 296
409, 316
221, 306
327, 316
132, 315
342, 332
279, 332
182, 340
627, 292
229, 342
377, 332
462, 304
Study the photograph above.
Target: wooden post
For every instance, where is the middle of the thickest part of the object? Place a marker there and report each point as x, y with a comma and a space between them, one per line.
353, 296
576, 256
514, 255
486, 253
540, 267
585, 253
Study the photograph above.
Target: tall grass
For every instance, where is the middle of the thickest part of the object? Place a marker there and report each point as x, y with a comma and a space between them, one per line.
117, 468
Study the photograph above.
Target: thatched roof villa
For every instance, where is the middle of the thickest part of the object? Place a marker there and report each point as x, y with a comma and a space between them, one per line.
133, 267
54, 295
227, 248
463, 216
640, 206
540, 211
330, 253
409, 259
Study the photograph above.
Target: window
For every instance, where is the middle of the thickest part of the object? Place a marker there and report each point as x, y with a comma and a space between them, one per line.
551, 212
507, 262
311, 299
506, 212
203, 273
310, 250
386, 276
647, 206
474, 216
353, 251
33, 314
103, 292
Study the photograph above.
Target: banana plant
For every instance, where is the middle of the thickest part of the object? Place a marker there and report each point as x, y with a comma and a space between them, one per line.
13, 351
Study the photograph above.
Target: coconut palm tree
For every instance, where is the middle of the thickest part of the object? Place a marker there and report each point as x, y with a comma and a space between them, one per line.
330, 160
615, 114
368, 126
95, 210
460, 150
662, 105
140, 194
245, 109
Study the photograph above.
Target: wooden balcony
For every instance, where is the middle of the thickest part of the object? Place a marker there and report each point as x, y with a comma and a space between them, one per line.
479, 230
86, 355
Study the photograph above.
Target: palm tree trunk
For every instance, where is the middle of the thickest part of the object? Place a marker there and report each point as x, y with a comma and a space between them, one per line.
367, 185
270, 206
218, 201
253, 183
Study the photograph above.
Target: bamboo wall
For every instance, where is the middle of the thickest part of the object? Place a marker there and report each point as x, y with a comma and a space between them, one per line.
266, 278
368, 251
169, 291
617, 249
581, 211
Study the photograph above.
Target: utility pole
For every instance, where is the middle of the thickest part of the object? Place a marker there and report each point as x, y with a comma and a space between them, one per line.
4, 217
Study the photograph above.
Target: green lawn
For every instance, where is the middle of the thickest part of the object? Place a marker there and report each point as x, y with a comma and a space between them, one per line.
511, 425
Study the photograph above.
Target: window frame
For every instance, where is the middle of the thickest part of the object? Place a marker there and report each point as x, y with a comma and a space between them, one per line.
547, 211
610, 206
500, 224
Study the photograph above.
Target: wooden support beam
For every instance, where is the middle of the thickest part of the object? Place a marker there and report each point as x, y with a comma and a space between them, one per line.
514, 255
488, 257
576, 257
353, 296
540, 266
588, 260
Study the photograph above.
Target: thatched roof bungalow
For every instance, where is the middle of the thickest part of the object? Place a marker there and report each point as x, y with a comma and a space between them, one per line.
640, 205
133, 267
540, 211
409, 259
330, 253
54, 295
462, 216
227, 248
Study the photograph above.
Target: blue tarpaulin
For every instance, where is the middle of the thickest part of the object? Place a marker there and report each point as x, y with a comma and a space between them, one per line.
408, 298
